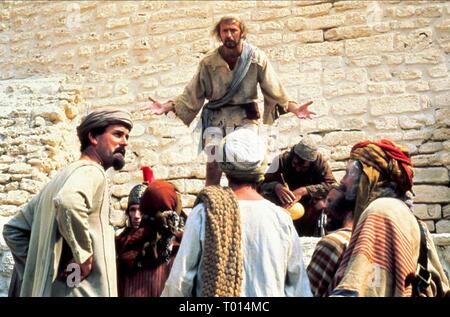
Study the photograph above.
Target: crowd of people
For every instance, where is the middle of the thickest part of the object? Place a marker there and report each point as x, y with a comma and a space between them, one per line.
238, 240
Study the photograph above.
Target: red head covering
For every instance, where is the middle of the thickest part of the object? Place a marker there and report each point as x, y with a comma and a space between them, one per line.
388, 158
160, 196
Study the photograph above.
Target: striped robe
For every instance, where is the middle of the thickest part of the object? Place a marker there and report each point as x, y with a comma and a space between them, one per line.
382, 257
325, 261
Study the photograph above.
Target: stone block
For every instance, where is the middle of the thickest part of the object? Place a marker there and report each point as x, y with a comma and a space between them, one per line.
353, 123
442, 100
441, 134
400, 104
407, 74
430, 225
4, 178
367, 61
264, 15
348, 32
416, 121
386, 123
439, 84
443, 226
438, 71
427, 212
8, 211
31, 186
446, 212
350, 106
312, 11
429, 11
346, 88
376, 88
344, 138
431, 194
325, 22
15, 197
418, 86
194, 186
117, 22
427, 56
380, 75
187, 201
369, 45
340, 153
121, 178
431, 147
313, 36
319, 49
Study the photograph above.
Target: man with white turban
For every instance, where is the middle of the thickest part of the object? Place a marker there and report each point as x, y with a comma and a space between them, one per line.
236, 243
62, 241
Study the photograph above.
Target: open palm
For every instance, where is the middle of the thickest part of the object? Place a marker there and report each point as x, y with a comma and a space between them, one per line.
303, 112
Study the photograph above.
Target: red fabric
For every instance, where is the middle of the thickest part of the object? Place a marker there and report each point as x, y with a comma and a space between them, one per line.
394, 152
159, 196
148, 175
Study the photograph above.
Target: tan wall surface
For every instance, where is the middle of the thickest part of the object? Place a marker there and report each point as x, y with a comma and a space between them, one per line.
375, 69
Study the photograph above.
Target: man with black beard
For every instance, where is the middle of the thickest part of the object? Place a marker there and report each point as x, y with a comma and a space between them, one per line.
228, 77
62, 241
329, 250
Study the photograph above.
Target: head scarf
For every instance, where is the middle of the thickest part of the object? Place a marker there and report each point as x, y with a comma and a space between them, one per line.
102, 118
387, 172
243, 154
161, 210
159, 234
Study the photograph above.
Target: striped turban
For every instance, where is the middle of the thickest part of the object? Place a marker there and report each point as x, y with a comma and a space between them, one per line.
102, 118
387, 171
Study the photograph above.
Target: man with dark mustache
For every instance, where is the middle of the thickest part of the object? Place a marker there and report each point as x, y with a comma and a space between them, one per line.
62, 241
228, 77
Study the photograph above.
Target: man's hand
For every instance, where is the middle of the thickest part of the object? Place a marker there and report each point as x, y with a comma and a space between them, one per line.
86, 268
285, 196
300, 192
157, 108
302, 111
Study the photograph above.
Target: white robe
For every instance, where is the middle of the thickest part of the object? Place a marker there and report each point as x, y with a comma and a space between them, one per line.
272, 254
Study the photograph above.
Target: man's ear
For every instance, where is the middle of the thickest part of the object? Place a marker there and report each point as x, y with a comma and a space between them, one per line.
92, 139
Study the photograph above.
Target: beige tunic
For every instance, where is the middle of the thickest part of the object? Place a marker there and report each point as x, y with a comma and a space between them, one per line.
213, 78
71, 212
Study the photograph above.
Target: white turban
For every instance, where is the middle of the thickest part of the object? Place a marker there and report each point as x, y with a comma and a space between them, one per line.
243, 155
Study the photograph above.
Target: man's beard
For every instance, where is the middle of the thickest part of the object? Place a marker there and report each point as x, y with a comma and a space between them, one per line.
118, 161
338, 213
231, 43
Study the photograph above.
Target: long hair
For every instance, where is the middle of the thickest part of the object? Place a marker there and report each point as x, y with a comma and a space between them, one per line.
230, 19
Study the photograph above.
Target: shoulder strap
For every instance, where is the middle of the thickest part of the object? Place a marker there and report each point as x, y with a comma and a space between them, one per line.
242, 68
422, 278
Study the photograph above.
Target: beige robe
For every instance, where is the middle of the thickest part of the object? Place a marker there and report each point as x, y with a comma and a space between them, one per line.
71, 212
213, 78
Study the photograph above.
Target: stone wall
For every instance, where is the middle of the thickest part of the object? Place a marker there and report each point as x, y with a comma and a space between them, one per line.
375, 69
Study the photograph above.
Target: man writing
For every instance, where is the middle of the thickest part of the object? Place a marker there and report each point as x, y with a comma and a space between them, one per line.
62, 241
228, 77
302, 175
